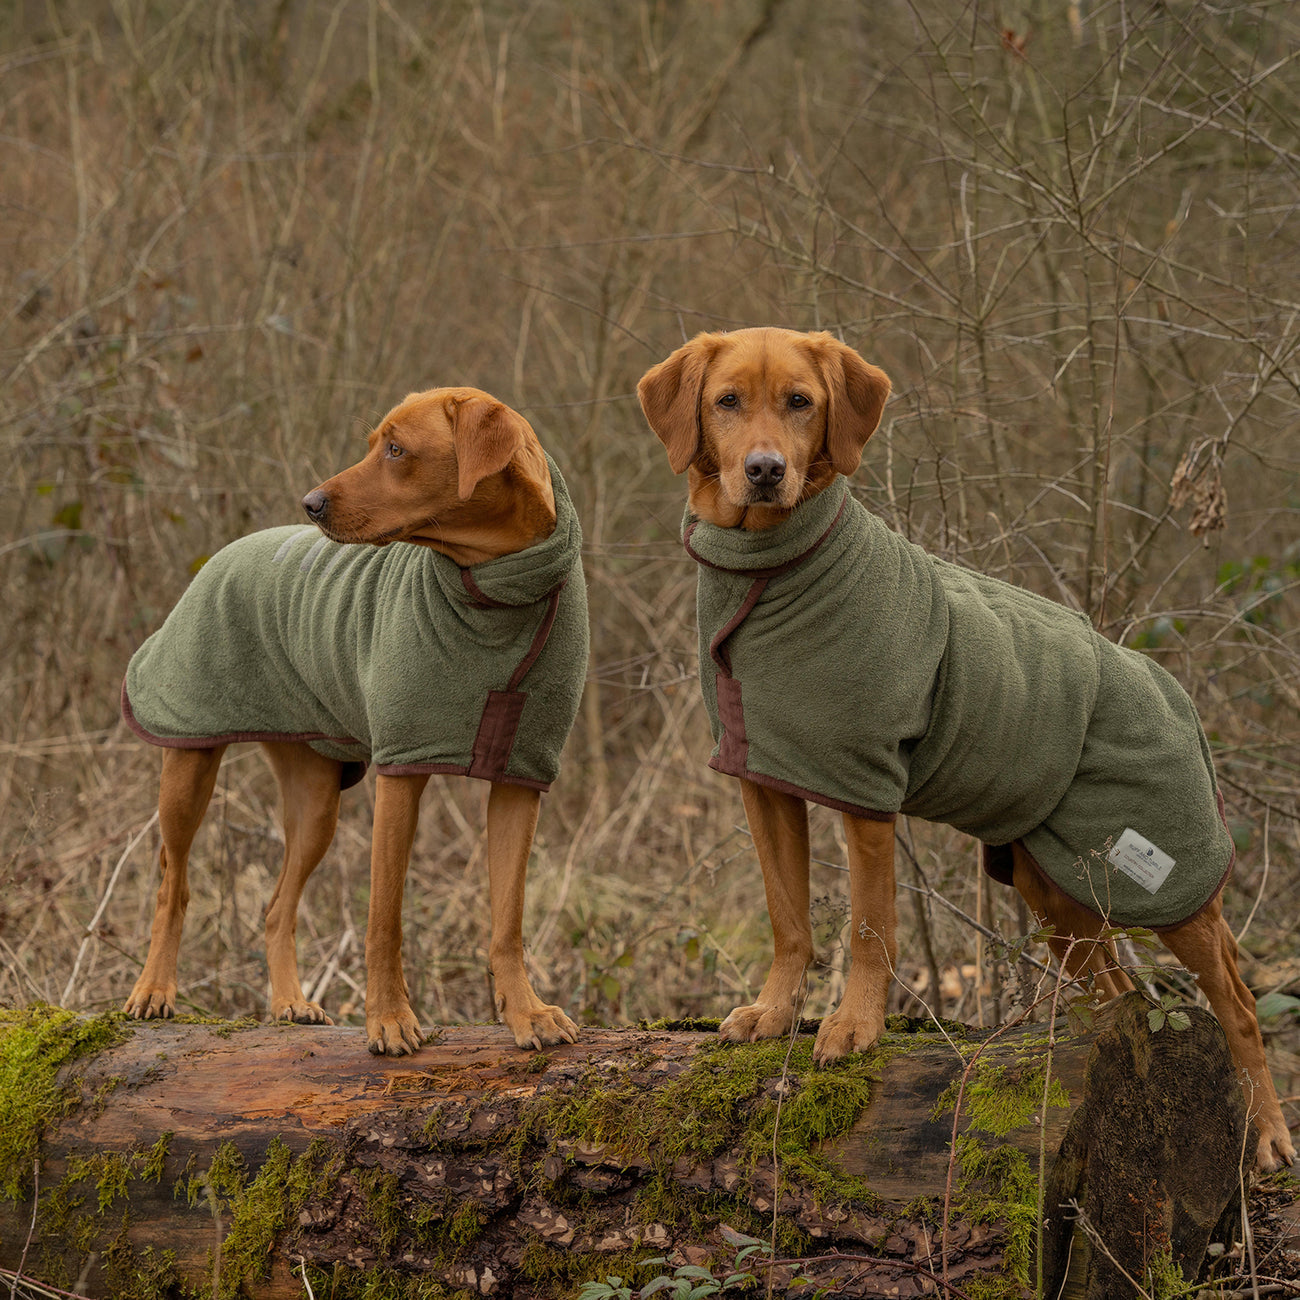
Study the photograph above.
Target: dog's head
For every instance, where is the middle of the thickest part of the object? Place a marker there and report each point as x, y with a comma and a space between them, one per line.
762, 418
451, 468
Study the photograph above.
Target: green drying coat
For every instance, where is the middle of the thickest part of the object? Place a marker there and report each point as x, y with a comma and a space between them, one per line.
843, 664
390, 654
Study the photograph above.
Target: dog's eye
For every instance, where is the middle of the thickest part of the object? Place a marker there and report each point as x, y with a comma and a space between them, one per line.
393, 451
798, 400
728, 400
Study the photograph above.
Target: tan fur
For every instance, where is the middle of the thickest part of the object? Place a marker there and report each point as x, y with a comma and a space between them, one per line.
762, 367
456, 470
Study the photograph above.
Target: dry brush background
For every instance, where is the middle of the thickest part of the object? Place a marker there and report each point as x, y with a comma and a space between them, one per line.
236, 232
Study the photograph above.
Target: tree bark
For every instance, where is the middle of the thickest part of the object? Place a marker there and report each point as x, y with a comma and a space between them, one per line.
508, 1173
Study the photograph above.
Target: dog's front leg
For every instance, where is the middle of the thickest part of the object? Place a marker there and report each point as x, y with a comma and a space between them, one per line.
779, 825
859, 1020
511, 821
391, 1026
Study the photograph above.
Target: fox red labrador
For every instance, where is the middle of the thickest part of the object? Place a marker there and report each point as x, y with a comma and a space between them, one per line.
431, 618
843, 665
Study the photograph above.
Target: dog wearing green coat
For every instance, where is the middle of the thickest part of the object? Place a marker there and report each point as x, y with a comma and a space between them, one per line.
841, 664
430, 618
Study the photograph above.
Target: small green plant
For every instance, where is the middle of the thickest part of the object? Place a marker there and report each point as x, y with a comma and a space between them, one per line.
688, 1281
1166, 1014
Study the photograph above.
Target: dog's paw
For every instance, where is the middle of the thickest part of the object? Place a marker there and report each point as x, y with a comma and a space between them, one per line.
301, 1012
1275, 1149
760, 1020
540, 1026
393, 1034
842, 1033
150, 1002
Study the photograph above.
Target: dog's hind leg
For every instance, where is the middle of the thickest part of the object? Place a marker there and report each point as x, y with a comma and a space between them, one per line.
778, 823
1205, 945
186, 785
1074, 942
309, 794
511, 821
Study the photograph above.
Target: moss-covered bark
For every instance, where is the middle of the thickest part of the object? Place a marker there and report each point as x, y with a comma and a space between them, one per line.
233, 1165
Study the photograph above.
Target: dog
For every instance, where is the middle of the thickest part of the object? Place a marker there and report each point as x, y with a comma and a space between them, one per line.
430, 618
842, 664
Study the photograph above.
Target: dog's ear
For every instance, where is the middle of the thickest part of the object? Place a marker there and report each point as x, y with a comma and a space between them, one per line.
670, 397
486, 434
857, 392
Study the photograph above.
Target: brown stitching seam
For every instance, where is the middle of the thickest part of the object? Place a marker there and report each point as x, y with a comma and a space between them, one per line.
227, 738
716, 651
539, 641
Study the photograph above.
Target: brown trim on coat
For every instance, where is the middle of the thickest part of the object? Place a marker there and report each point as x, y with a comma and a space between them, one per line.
716, 652
228, 738
481, 600
539, 641
733, 748
353, 769
787, 787
496, 733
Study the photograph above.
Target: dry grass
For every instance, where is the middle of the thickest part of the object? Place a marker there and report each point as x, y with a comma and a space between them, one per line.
235, 234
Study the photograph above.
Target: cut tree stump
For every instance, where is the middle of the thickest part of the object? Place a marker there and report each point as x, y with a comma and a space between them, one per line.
229, 1159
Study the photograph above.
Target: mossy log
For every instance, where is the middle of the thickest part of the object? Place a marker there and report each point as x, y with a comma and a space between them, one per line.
236, 1160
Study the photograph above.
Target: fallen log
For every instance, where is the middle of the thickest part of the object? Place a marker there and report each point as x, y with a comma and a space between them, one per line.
148, 1160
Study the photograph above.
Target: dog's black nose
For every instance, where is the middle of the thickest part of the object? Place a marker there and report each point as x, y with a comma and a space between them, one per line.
764, 468
316, 504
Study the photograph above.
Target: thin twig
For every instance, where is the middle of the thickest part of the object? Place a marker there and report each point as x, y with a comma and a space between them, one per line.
103, 903
31, 1231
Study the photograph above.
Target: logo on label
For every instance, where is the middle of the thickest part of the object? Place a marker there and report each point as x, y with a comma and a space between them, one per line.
1140, 860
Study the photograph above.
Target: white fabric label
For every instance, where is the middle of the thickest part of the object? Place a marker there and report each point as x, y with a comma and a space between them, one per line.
1141, 860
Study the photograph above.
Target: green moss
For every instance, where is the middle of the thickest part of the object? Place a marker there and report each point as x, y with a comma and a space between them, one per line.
131, 1274
344, 1283
223, 1179
564, 1272
110, 1171
1009, 1192
998, 1183
263, 1207
744, 1098
220, 1025
1003, 1097
35, 1043
383, 1205
157, 1158
260, 1209
683, 1025
993, 1288
697, 1215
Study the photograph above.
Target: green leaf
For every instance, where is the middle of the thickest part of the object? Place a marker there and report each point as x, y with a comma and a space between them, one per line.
1273, 1005
68, 516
